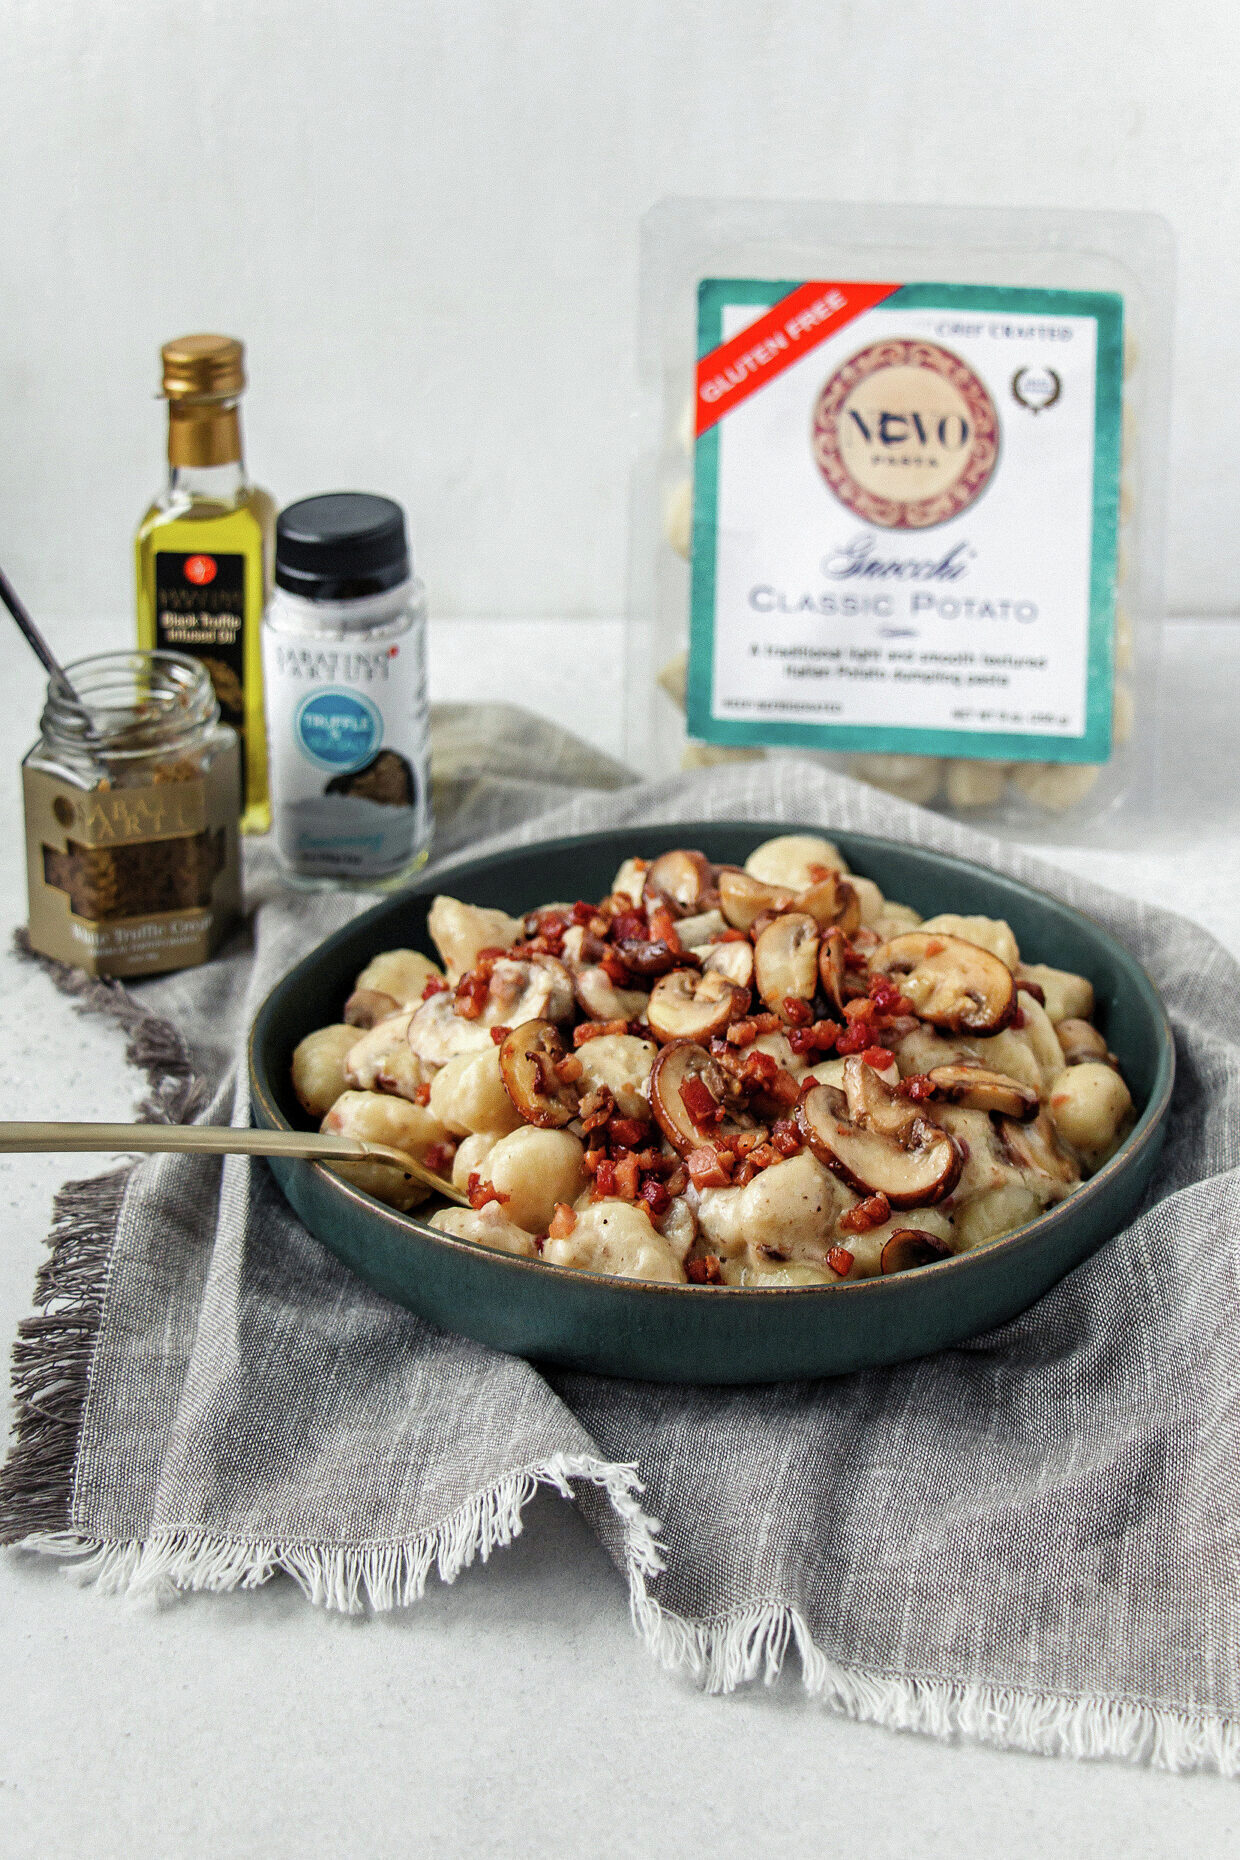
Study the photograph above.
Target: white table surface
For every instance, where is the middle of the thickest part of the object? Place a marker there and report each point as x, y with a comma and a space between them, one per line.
515, 1713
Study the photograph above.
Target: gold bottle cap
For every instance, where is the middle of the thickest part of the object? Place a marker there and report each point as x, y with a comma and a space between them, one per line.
203, 366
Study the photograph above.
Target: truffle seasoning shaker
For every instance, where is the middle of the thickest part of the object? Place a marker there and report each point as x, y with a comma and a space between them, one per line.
203, 549
344, 658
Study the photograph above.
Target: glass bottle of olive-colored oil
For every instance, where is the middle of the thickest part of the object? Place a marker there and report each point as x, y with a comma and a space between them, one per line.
204, 549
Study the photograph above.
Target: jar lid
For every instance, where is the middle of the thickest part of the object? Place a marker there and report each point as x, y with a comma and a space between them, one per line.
342, 546
197, 366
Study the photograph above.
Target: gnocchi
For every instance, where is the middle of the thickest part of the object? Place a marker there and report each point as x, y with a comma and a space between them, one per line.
468, 1096
319, 1064
400, 1125
772, 1076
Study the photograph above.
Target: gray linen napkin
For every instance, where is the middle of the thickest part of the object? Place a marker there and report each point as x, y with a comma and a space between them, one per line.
1031, 1539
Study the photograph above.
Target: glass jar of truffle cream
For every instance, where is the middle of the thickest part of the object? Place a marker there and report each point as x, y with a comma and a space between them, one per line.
132, 797
344, 666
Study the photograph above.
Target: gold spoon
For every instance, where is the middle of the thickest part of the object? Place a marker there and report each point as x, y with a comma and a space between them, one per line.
216, 1140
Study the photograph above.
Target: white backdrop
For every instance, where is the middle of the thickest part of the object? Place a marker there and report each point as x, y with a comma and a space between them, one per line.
422, 217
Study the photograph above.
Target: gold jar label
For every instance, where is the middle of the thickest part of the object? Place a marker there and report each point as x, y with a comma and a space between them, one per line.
131, 881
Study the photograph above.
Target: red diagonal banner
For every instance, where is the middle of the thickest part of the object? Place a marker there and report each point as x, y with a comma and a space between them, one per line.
779, 337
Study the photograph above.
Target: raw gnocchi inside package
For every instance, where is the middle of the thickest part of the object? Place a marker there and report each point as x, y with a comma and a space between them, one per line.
901, 500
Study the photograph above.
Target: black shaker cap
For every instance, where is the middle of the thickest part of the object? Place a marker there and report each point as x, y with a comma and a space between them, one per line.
341, 546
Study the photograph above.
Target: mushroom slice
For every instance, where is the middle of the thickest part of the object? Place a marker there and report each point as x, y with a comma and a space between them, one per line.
630, 880
872, 1104
652, 957
1080, 1041
832, 900
743, 899
527, 1062
920, 1167
580, 947
1036, 1147
910, 1247
785, 960
602, 1000
979, 1088
696, 932
951, 983
734, 961
682, 879
832, 967
540, 989
366, 1007
691, 1096
687, 1006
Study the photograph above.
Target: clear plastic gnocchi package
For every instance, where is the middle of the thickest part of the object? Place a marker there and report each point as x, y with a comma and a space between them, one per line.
900, 501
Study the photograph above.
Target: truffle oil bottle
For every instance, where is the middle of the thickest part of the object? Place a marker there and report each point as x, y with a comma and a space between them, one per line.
204, 549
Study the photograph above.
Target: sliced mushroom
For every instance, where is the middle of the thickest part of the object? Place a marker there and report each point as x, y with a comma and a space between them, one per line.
1036, 1147
651, 957
795, 859
785, 960
872, 1103
743, 899
580, 947
910, 1247
832, 901
527, 1061
832, 966
951, 983
630, 879
366, 1007
602, 1000
682, 879
685, 1067
734, 961
919, 1167
979, 1088
1081, 1042
540, 989
687, 1006
695, 932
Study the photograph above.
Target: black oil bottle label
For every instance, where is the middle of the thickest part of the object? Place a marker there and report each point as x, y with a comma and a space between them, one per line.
200, 609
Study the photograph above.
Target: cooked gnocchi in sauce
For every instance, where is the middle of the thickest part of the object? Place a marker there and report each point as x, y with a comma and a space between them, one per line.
761, 1076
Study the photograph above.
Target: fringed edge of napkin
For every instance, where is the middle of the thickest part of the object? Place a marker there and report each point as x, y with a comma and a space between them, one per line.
52, 1358
725, 1654
55, 1347
51, 1383
358, 1579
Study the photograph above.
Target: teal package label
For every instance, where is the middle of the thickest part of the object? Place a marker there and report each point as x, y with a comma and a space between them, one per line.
904, 538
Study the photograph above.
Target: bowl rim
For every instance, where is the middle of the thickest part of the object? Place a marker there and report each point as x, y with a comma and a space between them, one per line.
1147, 1129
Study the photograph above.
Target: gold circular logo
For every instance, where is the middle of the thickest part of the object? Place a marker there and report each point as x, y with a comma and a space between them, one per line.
906, 435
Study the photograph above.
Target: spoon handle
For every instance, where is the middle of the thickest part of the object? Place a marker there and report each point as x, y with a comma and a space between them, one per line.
42, 651
217, 1140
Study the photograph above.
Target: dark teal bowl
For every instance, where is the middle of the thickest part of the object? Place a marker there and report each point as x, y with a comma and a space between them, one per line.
673, 1333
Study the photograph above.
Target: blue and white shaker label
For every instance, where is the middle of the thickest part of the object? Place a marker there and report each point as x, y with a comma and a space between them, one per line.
348, 746
338, 730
